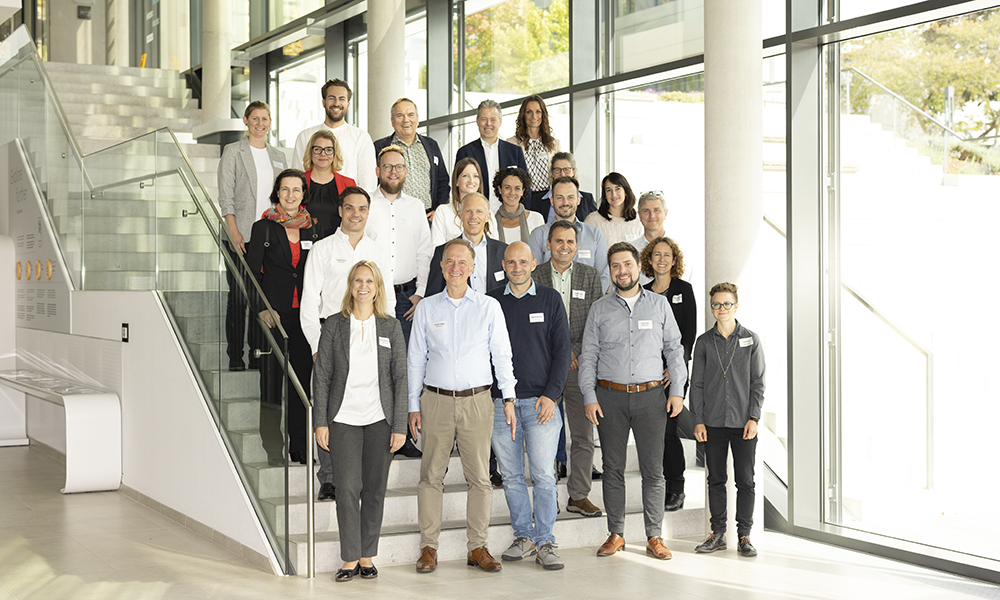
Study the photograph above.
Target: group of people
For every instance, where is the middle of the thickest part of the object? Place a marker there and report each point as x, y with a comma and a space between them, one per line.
403, 293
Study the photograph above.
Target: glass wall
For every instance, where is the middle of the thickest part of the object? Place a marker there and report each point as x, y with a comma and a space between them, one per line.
298, 105
917, 203
652, 32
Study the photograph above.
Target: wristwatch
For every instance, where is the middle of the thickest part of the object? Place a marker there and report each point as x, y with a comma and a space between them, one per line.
512, 401
755, 419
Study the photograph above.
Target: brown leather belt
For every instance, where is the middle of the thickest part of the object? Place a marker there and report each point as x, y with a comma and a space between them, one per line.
457, 393
635, 387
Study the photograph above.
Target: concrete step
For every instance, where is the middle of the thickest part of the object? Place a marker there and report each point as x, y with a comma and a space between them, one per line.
243, 384
197, 303
58, 67
139, 225
105, 242
148, 261
115, 88
130, 110
240, 413
202, 329
62, 80
144, 121
71, 94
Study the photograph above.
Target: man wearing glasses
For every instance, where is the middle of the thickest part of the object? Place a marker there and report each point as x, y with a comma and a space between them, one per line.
727, 392
563, 165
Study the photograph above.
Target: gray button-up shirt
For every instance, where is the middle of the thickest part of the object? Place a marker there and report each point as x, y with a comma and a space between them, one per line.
730, 400
628, 347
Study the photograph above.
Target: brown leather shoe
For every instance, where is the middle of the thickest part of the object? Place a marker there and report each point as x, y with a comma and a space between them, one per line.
428, 560
615, 543
657, 549
480, 557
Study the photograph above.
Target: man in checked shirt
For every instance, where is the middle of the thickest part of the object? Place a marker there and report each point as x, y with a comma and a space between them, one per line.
727, 391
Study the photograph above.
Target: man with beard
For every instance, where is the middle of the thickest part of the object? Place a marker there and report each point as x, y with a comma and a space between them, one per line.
621, 376
355, 144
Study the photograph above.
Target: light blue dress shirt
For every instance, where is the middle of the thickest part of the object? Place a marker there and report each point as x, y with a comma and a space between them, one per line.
478, 280
452, 347
640, 243
591, 248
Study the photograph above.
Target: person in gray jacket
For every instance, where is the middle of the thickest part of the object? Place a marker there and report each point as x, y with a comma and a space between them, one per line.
246, 175
360, 411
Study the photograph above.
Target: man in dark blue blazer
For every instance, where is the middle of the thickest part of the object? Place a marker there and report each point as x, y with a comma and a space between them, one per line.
501, 153
488, 274
563, 165
427, 175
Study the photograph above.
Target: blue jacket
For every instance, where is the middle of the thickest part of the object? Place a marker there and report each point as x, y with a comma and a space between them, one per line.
511, 155
440, 181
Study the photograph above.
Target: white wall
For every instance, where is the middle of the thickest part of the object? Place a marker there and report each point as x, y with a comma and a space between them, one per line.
73, 40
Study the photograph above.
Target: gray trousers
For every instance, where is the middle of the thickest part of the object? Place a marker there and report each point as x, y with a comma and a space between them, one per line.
581, 445
645, 413
363, 459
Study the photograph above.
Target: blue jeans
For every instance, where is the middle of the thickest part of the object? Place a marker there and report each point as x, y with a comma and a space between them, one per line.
540, 442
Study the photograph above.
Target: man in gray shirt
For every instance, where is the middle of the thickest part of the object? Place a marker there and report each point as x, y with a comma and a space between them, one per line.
622, 379
727, 392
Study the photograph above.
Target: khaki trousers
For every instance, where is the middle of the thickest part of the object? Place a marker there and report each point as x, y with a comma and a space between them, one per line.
470, 420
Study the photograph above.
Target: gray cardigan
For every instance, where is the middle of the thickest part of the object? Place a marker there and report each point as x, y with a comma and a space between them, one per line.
238, 182
333, 365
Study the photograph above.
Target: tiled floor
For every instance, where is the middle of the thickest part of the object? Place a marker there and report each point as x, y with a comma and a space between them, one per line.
106, 546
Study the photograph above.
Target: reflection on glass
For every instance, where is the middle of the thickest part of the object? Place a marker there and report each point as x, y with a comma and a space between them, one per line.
415, 66
652, 32
918, 204
299, 102
286, 11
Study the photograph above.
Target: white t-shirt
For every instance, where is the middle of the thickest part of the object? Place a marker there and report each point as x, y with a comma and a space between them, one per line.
362, 404
630, 301
265, 180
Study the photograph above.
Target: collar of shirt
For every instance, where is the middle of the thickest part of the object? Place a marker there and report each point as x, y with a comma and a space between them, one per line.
396, 140
378, 193
621, 301
738, 331
490, 147
470, 295
481, 243
567, 274
531, 290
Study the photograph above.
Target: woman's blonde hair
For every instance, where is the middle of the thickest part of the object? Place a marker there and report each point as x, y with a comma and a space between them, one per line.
347, 306
338, 156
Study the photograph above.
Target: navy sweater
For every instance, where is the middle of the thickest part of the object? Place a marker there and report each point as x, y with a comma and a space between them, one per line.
539, 337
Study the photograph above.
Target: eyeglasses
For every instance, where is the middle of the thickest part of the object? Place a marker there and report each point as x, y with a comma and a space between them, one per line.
397, 168
657, 193
562, 170
725, 305
328, 150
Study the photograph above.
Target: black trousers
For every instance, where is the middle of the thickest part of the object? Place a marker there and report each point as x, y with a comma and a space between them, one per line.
236, 318
720, 441
363, 458
673, 458
271, 378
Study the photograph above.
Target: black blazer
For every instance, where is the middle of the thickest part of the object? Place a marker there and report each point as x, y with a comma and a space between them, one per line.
440, 181
540, 204
494, 265
510, 155
270, 260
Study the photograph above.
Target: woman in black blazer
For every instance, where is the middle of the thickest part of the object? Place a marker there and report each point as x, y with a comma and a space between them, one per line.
276, 255
361, 412
663, 260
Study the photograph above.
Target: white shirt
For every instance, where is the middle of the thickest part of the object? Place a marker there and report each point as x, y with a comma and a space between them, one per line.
327, 267
356, 146
492, 166
362, 403
401, 226
478, 279
265, 180
446, 225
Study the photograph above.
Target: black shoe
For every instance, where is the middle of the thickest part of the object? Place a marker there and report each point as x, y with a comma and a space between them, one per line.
560, 470
713, 543
347, 574
595, 474
326, 493
496, 479
674, 502
235, 368
369, 572
409, 450
255, 364
745, 547
299, 457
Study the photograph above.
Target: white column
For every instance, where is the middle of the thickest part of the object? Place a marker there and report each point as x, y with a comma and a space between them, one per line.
386, 34
116, 42
216, 84
733, 165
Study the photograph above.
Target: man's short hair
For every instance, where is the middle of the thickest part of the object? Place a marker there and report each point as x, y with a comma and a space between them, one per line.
565, 179
648, 197
725, 287
336, 83
389, 149
488, 103
623, 247
563, 156
392, 109
561, 225
459, 241
353, 189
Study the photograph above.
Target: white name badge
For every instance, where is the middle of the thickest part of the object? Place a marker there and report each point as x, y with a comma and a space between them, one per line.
744, 342
678, 299
341, 261
440, 325
384, 342
536, 318
580, 294
306, 244
645, 324
583, 253
498, 275
435, 160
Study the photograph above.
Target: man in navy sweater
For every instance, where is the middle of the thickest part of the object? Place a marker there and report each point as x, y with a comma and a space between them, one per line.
536, 318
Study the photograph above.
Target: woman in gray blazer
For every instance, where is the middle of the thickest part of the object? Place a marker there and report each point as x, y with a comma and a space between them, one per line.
360, 408
246, 174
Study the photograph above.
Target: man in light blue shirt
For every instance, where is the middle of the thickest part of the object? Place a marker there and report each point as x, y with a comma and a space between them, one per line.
591, 247
456, 336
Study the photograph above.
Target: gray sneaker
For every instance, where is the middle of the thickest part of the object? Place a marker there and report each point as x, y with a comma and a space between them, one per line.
548, 558
519, 549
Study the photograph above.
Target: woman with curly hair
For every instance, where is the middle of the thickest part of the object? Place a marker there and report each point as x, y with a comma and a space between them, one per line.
512, 185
